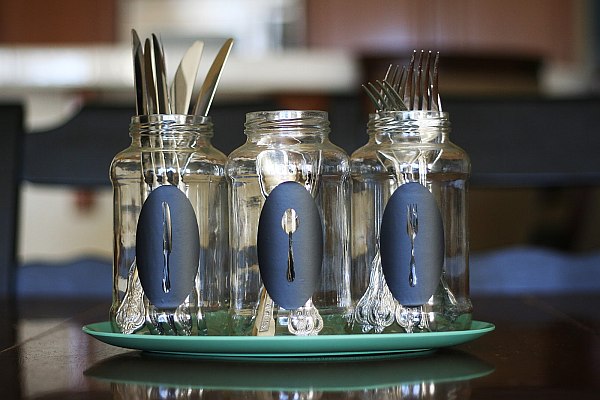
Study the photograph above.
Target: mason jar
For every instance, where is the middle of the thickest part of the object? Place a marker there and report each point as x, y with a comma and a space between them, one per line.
170, 272
410, 244
289, 227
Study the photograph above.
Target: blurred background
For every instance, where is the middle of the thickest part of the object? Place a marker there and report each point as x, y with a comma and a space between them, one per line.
56, 56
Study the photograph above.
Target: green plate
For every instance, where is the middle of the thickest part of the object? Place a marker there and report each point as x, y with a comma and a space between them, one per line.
288, 346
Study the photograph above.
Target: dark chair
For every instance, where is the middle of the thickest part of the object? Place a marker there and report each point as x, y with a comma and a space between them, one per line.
546, 145
77, 154
10, 160
528, 142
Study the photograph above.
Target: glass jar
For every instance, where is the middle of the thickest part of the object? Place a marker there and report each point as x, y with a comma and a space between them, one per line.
288, 161
170, 272
409, 218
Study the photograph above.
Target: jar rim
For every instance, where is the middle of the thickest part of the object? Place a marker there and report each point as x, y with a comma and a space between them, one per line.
171, 119
409, 115
285, 115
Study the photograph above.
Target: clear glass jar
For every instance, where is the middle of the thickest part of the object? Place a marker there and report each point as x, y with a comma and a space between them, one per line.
410, 148
284, 147
171, 152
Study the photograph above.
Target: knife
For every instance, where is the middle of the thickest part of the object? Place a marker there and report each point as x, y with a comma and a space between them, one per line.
185, 77
138, 74
152, 100
209, 87
161, 77
167, 247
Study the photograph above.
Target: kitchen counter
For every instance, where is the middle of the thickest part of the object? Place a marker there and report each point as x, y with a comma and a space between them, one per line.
543, 347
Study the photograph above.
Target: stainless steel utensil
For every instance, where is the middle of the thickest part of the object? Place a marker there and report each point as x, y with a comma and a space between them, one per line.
185, 78
138, 74
150, 83
375, 309
131, 314
412, 228
209, 87
161, 78
167, 247
150, 77
305, 320
410, 88
152, 97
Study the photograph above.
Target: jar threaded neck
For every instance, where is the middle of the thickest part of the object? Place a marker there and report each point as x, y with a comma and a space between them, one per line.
171, 124
427, 126
295, 122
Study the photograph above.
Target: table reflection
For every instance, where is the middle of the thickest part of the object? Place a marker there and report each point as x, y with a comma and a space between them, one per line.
441, 375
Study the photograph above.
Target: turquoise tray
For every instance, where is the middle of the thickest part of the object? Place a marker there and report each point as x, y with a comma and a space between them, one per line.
288, 346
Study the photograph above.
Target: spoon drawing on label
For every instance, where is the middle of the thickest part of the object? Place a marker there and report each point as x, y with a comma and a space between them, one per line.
289, 223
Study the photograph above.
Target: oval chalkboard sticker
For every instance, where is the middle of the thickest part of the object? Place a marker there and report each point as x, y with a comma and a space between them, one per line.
412, 244
167, 247
290, 245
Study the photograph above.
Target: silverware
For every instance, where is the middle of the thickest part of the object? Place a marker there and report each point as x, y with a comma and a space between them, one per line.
289, 223
131, 314
150, 77
161, 77
265, 323
167, 246
185, 78
305, 320
209, 87
138, 74
410, 88
384, 96
375, 309
150, 85
412, 227
152, 97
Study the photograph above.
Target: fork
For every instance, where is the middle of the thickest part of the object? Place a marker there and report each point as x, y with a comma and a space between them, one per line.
407, 88
410, 87
375, 309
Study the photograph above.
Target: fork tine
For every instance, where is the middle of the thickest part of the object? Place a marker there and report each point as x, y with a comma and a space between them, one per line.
394, 100
378, 96
387, 103
412, 87
418, 88
426, 91
387, 74
385, 98
372, 97
435, 95
390, 75
408, 89
397, 81
401, 84
389, 78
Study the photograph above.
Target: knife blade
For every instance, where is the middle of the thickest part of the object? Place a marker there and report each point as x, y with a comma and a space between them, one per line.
185, 78
161, 77
209, 86
138, 74
152, 100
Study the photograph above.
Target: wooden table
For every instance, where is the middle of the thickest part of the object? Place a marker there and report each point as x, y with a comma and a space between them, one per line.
545, 347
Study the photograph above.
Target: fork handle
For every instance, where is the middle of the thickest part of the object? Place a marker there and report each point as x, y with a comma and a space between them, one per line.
412, 277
